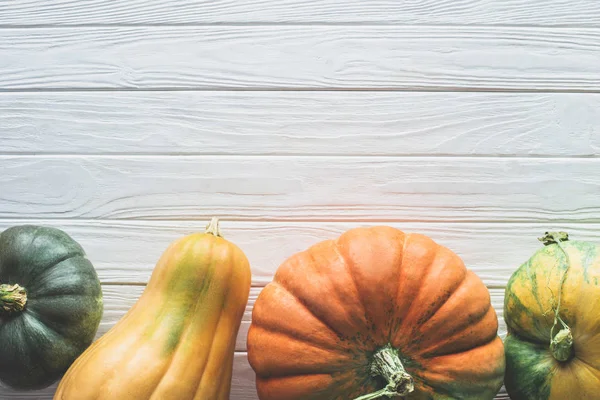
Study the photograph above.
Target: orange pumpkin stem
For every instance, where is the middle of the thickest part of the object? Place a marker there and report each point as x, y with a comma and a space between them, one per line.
387, 364
213, 227
12, 298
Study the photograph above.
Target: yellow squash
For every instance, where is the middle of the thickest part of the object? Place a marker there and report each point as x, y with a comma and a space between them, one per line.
177, 342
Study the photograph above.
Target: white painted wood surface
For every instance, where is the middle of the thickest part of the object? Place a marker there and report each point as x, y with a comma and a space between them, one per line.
467, 12
131, 123
301, 123
303, 57
280, 188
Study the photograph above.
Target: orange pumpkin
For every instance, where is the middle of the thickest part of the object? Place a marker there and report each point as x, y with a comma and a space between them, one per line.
375, 313
177, 342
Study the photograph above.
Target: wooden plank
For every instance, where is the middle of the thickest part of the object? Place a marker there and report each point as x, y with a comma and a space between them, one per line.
479, 12
301, 188
276, 57
126, 251
118, 299
301, 123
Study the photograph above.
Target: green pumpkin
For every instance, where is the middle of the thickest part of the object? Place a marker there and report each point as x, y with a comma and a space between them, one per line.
552, 312
50, 305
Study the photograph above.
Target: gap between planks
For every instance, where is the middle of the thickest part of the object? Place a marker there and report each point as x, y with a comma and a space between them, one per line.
362, 24
9, 154
383, 157
359, 89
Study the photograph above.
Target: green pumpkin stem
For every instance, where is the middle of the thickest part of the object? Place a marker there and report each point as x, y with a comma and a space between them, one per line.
213, 227
386, 363
554, 238
12, 299
561, 345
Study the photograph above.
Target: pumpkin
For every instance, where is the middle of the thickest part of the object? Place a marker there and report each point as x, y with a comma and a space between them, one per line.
178, 339
50, 305
551, 309
375, 313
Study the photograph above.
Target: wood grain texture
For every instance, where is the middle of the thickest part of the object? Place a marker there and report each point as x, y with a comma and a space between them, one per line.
301, 123
301, 188
288, 57
248, 111
480, 12
127, 251
118, 299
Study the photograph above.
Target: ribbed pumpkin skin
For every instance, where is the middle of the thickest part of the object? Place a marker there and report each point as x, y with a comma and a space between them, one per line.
177, 342
316, 327
532, 373
62, 311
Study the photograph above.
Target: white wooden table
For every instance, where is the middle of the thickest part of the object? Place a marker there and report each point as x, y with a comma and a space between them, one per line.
129, 123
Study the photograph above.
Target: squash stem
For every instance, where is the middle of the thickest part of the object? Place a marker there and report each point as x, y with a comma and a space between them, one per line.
12, 299
561, 345
387, 364
213, 227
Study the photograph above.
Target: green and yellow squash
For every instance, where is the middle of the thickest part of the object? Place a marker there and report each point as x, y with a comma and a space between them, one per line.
552, 311
178, 340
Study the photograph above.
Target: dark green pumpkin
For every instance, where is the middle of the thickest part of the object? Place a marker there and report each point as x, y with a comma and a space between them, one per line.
50, 305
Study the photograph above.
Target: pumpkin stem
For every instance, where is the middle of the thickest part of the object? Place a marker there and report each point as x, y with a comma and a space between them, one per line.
12, 298
213, 227
554, 237
561, 345
386, 363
